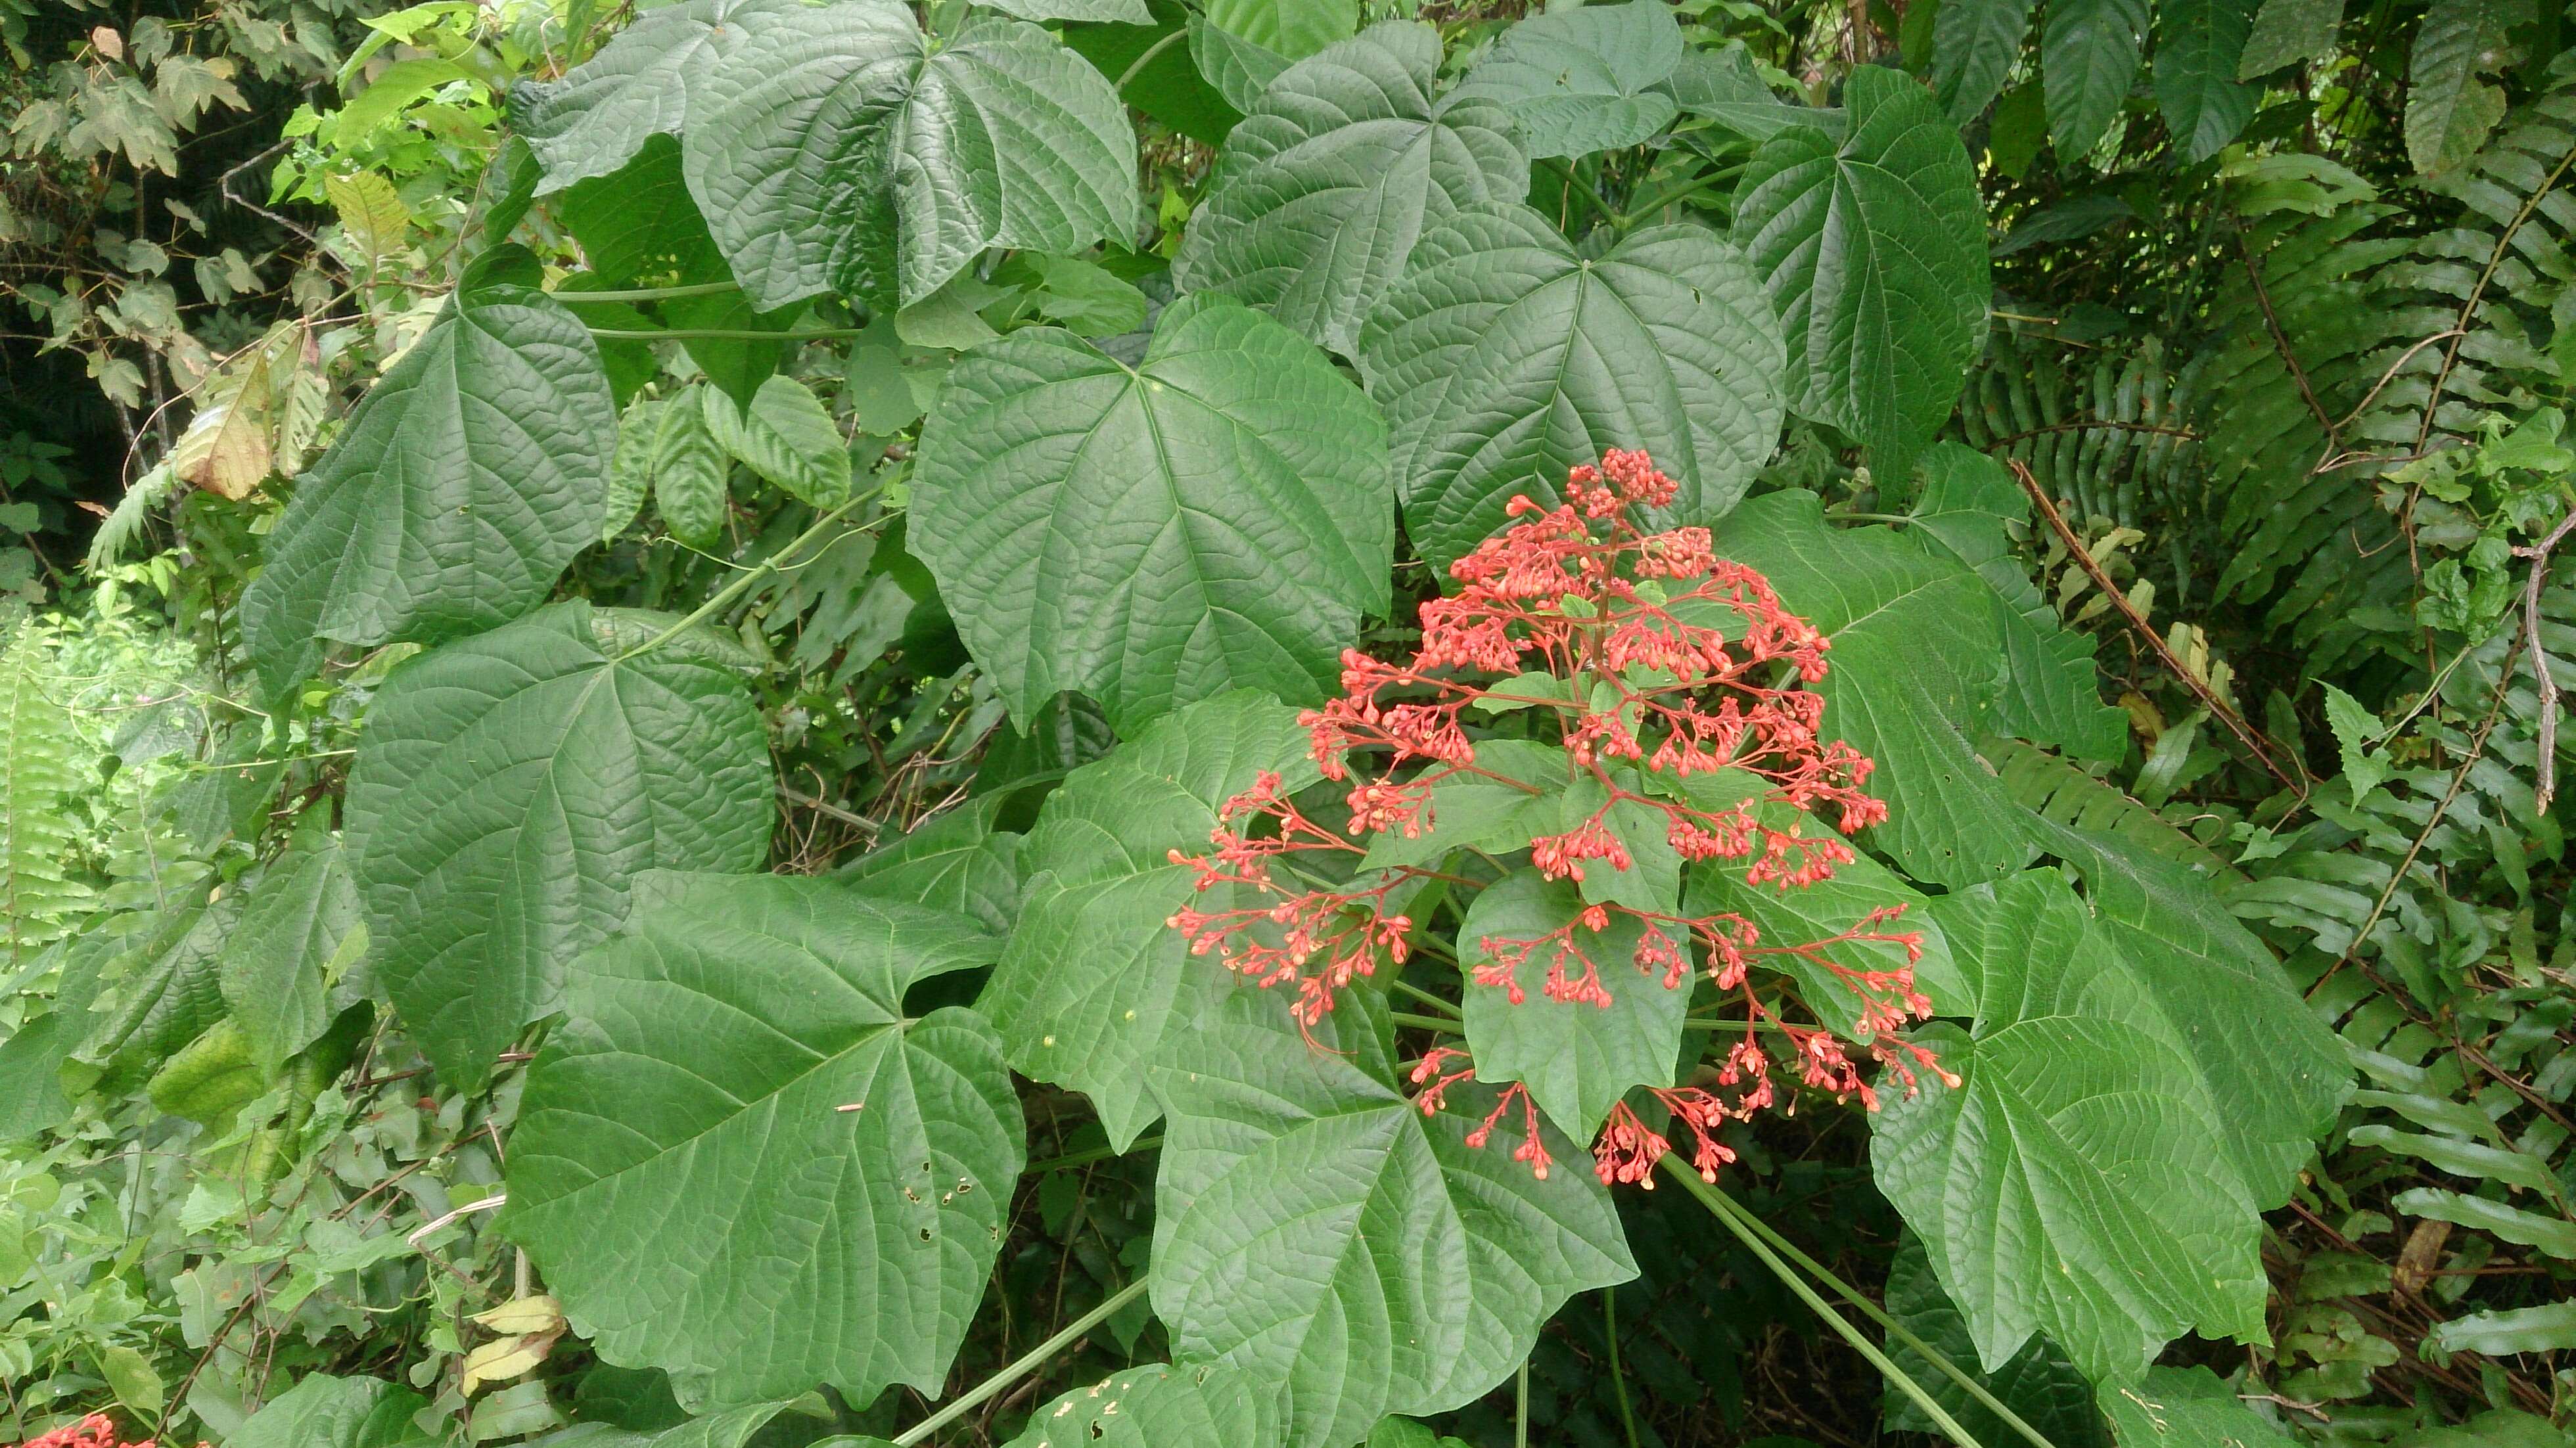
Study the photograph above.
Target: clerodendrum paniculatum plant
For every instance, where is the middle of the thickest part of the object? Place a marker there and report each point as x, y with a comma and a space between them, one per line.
1638, 684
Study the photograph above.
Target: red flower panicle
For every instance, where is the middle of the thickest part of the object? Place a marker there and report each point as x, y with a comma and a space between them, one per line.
95, 1431
1654, 658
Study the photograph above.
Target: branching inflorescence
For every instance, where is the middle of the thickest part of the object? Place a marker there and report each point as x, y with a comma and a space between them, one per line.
1656, 667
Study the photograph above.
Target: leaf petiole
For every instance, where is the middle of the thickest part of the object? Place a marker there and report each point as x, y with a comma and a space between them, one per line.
1021, 1366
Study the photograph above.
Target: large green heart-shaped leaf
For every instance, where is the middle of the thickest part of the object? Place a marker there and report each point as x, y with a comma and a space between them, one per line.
1217, 516
1874, 248
841, 151
508, 790
1576, 1057
460, 487
645, 83
1156, 1406
1584, 79
1334, 173
1965, 511
744, 1161
2186, 1407
1312, 1226
955, 861
1293, 28
1095, 981
323, 1411
2039, 1383
2067, 1186
1912, 676
1504, 358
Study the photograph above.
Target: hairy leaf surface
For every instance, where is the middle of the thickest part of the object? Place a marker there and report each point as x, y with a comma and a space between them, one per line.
1584, 79
646, 82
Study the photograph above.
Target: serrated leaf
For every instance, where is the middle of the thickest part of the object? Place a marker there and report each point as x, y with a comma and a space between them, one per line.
1335, 172
690, 469
457, 492
2186, 1408
159, 992
508, 790
323, 1411
372, 215
1966, 510
1912, 675
1292, 28
1504, 358
956, 861
2066, 1186
2287, 32
1156, 1406
2449, 108
2199, 45
1576, 1057
646, 82
630, 471
2088, 54
1584, 79
1095, 984
805, 1184
274, 968
786, 437
1974, 46
1314, 1228
2355, 730
1874, 250
1236, 67
2039, 1383
842, 153
210, 1078
1217, 517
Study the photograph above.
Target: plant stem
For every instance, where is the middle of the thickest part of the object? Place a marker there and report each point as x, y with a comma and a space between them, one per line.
1442, 1024
648, 294
1590, 193
720, 334
1424, 996
1520, 1407
1136, 66
1618, 1380
1020, 1367
725, 598
1725, 1210
1086, 1158
1670, 195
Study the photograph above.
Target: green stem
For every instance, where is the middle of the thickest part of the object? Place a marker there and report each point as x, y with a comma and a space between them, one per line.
1726, 1212
725, 598
648, 294
1086, 1158
1020, 1367
1618, 1380
1442, 1024
1520, 1407
1670, 195
1985, 1397
1140, 62
720, 334
1590, 193
1424, 996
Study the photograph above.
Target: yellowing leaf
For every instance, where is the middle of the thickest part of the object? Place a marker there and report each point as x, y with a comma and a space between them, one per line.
524, 1315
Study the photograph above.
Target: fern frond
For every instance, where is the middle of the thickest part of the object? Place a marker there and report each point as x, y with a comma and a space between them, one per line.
39, 750
2106, 427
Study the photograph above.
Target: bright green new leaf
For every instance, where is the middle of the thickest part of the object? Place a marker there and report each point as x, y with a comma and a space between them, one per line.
2549, 1328
1912, 676
1096, 983
322, 1411
649, 81
2067, 1185
1577, 1058
2287, 32
2088, 57
1974, 46
690, 469
2199, 46
1505, 358
1335, 172
1584, 79
2450, 107
2186, 1408
786, 437
1215, 517
210, 1078
1236, 67
1162, 1407
745, 1162
1313, 1227
2039, 1383
511, 786
457, 492
1966, 510
1087, 298
842, 152
1874, 249
295, 937
2355, 730
1291, 28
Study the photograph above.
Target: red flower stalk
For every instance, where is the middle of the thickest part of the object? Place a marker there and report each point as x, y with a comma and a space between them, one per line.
1651, 661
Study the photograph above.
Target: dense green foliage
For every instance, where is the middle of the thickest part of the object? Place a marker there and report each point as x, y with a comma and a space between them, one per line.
648, 820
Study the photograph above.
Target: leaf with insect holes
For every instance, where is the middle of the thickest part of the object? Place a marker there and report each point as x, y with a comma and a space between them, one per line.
807, 1182
1155, 1406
